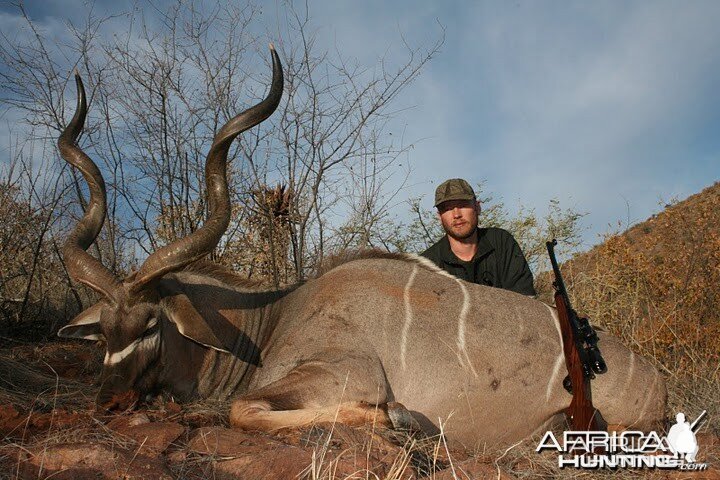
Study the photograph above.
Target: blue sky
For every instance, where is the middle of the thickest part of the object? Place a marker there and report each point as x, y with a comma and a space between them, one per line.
611, 107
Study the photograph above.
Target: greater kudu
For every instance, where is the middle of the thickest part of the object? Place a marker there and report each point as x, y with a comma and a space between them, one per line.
383, 330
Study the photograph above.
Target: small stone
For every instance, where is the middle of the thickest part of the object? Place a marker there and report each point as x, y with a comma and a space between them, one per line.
177, 457
122, 422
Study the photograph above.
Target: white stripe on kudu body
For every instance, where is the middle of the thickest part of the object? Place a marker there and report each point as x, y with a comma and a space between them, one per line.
408, 317
560, 361
462, 354
461, 326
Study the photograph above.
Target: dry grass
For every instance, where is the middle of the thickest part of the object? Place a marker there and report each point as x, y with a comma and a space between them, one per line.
418, 456
26, 387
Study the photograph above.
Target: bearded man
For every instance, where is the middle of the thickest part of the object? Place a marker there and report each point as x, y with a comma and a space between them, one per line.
488, 256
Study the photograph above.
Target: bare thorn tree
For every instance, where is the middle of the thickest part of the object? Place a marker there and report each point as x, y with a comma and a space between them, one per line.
161, 89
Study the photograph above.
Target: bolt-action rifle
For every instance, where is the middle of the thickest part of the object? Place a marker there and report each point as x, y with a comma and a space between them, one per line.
582, 356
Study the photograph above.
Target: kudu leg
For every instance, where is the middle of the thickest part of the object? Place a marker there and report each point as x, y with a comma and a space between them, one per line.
312, 394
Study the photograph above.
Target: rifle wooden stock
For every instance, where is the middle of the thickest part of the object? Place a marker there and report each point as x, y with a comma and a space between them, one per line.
581, 413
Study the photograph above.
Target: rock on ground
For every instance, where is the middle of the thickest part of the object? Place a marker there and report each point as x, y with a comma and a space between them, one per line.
88, 461
153, 438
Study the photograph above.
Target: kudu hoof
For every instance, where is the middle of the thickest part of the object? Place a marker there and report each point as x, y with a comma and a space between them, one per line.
401, 418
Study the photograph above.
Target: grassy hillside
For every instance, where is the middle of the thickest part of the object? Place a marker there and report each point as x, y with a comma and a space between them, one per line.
657, 286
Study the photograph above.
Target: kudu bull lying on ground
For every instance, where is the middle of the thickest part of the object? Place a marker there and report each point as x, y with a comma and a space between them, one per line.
486, 363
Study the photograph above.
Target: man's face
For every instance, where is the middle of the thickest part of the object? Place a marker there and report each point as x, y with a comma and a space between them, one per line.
459, 218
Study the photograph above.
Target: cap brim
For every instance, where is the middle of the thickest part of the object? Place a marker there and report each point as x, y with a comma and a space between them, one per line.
459, 196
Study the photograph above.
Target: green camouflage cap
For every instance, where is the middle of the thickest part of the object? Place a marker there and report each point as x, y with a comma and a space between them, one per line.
454, 189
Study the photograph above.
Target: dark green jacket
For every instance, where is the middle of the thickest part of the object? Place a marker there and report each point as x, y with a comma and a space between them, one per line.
499, 262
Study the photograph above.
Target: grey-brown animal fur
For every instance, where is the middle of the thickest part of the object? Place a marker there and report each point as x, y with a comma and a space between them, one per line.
371, 331
350, 255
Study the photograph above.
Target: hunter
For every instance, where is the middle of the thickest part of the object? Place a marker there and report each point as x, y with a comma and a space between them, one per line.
487, 256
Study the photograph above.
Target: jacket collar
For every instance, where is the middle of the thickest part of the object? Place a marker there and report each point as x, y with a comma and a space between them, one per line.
447, 255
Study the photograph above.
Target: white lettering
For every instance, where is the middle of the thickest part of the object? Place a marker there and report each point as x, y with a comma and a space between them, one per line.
548, 441
637, 450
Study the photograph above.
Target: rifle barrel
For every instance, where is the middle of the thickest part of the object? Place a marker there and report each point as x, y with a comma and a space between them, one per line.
556, 269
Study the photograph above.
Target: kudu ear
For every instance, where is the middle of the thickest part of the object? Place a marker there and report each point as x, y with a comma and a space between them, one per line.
86, 325
190, 323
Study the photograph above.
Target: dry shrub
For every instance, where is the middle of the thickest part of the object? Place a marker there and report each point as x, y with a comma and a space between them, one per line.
31, 280
263, 251
257, 243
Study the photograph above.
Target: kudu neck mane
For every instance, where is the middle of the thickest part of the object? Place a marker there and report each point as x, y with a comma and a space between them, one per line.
340, 259
222, 273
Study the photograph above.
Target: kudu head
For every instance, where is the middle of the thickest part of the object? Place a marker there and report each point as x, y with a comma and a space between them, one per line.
130, 316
